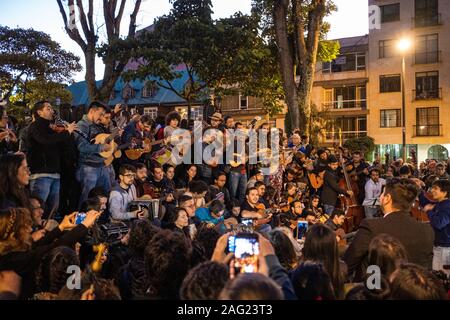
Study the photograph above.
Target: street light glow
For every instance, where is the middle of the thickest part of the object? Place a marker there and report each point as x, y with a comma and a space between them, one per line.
404, 44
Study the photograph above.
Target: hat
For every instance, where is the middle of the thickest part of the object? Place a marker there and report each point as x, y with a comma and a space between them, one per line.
332, 159
216, 116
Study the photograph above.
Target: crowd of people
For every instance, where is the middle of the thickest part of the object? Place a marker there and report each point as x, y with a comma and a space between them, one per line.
102, 196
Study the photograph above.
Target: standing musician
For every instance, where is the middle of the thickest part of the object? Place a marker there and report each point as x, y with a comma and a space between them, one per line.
91, 171
331, 189
135, 134
45, 154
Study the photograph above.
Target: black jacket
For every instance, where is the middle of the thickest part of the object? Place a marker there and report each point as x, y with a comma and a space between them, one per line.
44, 155
331, 189
416, 237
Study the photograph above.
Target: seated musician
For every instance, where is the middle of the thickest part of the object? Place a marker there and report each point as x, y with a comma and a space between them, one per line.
220, 180
198, 190
257, 176
290, 217
336, 220
159, 187
121, 196
261, 187
213, 214
315, 208
250, 208
141, 182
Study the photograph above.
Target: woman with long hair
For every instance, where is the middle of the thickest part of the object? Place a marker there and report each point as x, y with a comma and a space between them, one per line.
14, 178
321, 246
185, 174
176, 220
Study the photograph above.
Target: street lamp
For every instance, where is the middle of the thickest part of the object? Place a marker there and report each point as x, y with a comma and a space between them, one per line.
403, 47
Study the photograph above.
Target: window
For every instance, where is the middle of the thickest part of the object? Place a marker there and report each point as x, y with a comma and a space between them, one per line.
386, 49
150, 89
151, 111
349, 97
426, 13
427, 122
427, 49
390, 83
346, 62
127, 92
390, 12
390, 118
197, 113
427, 85
438, 152
243, 102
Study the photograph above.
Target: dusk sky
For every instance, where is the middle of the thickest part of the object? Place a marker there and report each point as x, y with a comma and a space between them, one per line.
43, 15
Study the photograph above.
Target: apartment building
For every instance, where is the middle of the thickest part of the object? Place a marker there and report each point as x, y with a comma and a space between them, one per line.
340, 91
426, 23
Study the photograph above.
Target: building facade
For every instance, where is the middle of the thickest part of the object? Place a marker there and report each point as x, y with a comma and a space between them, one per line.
361, 91
426, 23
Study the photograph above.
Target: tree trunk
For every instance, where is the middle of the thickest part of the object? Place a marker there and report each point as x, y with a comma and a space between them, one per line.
304, 97
286, 60
89, 56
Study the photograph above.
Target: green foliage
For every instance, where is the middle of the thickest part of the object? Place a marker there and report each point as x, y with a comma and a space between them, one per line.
328, 50
26, 54
363, 144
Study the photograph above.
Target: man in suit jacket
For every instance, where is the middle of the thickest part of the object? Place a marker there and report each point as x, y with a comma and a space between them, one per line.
416, 237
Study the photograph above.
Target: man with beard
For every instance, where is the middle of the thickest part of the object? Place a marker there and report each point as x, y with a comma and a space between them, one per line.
416, 237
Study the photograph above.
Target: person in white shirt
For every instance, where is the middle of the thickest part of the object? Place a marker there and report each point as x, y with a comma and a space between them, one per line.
373, 190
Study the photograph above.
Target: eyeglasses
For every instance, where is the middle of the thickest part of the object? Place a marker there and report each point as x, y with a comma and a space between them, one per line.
129, 175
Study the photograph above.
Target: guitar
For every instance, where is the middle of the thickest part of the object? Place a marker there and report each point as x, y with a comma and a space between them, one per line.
316, 180
134, 154
105, 138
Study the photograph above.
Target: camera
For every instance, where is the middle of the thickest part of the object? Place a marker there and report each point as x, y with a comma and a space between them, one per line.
246, 251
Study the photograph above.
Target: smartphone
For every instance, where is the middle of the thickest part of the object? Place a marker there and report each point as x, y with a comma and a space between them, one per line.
302, 227
247, 222
231, 247
79, 218
246, 250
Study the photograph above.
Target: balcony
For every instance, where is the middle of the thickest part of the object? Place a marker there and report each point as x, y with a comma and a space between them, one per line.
345, 105
428, 57
433, 94
426, 21
434, 130
335, 135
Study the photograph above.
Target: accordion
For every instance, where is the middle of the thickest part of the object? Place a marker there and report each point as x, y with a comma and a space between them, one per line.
113, 232
152, 206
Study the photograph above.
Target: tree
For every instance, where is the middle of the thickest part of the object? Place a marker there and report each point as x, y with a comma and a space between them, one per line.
220, 57
113, 51
297, 26
27, 56
364, 144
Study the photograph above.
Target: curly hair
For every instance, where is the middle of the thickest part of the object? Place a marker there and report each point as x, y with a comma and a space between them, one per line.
140, 234
15, 227
52, 273
251, 286
167, 258
204, 282
207, 237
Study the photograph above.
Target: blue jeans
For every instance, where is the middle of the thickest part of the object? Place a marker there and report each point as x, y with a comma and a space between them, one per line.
328, 209
91, 177
47, 189
370, 211
237, 185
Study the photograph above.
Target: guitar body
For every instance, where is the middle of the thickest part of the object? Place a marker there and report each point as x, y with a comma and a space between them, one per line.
316, 180
134, 154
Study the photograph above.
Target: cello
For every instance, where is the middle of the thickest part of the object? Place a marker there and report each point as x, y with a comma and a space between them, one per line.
354, 212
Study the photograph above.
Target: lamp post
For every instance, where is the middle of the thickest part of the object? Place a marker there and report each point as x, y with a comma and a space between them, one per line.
403, 47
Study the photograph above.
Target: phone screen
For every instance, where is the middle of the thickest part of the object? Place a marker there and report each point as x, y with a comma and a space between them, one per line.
79, 218
247, 222
231, 244
302, 226
246, 253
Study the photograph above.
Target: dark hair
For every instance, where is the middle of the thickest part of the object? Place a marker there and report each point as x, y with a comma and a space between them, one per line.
405, 169
251, 286
403, 193
284, 249
413, 282
139, 166
235, 203
126, 167
167, 166
218, 174
356, 152
259, 184
171, 215
312, 282
184, 198
374, 170
140, 233
361, 292
91, 204
444, 185
38, 106
97, 105
52, 274
99, 192
197, 186
386, 252
337, 212
207, 238
321, 246
216, 206
167, 258
204, 282
9, 184
146, 119
156, 166
247, 192
171, 116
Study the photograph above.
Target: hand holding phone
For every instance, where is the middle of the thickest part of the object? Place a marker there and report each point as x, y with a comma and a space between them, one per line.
246, 252
302, 227
79, 218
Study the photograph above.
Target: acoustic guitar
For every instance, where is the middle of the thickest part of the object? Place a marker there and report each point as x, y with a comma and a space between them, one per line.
105, 138
316, 180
